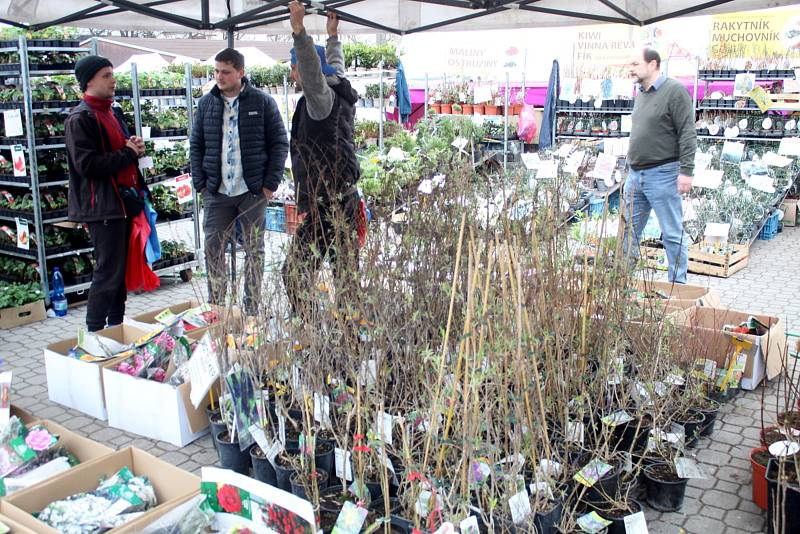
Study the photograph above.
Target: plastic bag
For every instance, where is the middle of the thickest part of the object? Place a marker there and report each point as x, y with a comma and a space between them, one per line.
526, 127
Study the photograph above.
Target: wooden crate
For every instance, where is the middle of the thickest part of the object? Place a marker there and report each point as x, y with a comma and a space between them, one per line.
702, 262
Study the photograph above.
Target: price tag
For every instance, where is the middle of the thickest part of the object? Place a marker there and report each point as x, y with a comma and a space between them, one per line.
344, 464
18, 160
145, 163
23, 236
520, 506
636, 524
13, 122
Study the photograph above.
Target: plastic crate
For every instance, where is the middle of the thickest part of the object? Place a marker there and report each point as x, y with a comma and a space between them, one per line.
613, 201
770, 228
596, 205
275, 219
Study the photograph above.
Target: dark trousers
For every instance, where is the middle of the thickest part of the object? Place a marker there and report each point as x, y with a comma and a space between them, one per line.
221, 215
107, 295
327, 231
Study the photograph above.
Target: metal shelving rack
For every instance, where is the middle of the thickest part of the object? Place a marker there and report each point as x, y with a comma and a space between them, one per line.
24, 75
136, 97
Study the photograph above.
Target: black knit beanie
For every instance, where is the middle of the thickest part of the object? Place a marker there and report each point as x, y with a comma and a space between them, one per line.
87, 67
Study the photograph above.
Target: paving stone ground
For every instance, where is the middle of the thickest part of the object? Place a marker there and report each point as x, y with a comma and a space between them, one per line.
719, 504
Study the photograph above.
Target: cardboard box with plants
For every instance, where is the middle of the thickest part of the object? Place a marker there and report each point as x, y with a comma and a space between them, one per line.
149, 391
74, 366
39, 450
20, 303
101, 495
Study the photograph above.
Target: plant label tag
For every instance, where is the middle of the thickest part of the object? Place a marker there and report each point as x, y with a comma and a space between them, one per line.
565, 150
531, 160
483, 93
789, 146
426, 503
547, 170
469, 525
258, 434
425, 187
13, 122
165, 317
627, 123
368, 374
687, 468
282, 429
592, 472
23, 236
628, 459
707, 178
322, 410
203, 369
273, 451
344, 464
636, 524
350, 519
396, 154
384, 425
541, 488
617, 418
575, 431
18, 160
446, 528
774, 160
592, 522
145, 163
183, 188
520, 506
604, 167
459, 143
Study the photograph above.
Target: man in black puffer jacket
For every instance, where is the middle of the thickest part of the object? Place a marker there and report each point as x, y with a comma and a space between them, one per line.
238, 153
324, 165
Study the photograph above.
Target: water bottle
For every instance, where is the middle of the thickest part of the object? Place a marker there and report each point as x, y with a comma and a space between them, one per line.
59, 301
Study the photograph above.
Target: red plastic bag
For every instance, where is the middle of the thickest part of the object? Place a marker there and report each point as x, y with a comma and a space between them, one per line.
526, 127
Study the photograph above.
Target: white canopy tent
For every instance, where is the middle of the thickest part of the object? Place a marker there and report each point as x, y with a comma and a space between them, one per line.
252, 57
144, 63
358, 16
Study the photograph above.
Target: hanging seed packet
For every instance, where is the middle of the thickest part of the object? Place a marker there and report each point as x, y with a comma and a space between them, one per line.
592, 472
592, 523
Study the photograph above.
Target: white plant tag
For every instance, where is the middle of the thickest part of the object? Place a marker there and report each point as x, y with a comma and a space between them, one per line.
273, 451
541, 488
13, 122
425, 187
469, 525
575, 431
258, 434
520, 506
460, 143
322, 410
688, 468
282, 429
145, 163
384, 425
368, 374
344, 464
636, 524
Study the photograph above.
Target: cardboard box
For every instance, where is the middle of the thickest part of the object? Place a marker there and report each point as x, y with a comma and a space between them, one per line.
705, 338
15, 528
20, 315
232, 313
22, 414
78, 384
172, 485
153, 409
150, 317
682, 295
790, 208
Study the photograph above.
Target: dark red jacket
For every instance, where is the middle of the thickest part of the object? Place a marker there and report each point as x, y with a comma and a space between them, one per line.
93, 194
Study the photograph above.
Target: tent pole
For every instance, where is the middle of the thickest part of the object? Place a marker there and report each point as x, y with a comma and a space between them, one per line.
137, 106
425, 105
204, 13
380, 105
93, 46
286, 103
187, 75
230, 36
505, 127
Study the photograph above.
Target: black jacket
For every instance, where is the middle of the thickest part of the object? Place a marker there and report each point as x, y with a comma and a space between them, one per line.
93, 194
262, 140
324, 161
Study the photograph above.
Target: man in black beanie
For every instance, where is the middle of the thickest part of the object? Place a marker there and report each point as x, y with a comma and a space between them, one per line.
103, 169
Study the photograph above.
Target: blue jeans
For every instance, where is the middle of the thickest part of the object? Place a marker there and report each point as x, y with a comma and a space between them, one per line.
657, 189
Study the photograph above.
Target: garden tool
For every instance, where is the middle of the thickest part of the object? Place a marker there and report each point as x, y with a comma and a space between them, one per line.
740, 344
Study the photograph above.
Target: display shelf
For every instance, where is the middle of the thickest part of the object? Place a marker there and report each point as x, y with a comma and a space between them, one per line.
588, 136
727, 108
19, 253
75, 252
626, 111
740, 138
76, 288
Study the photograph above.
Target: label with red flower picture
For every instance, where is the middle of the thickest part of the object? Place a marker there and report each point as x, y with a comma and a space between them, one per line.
23, 235
18, 160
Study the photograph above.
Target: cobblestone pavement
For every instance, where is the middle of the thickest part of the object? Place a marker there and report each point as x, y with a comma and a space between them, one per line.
719, 504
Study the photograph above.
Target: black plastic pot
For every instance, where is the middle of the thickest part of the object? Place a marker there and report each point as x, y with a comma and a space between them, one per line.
707, 428
323, 456
664, 495
299, 489
608, 485
230, 457
546, 521
262, 468
691, 428
617, 525
215, 427
284, 474
783, 500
